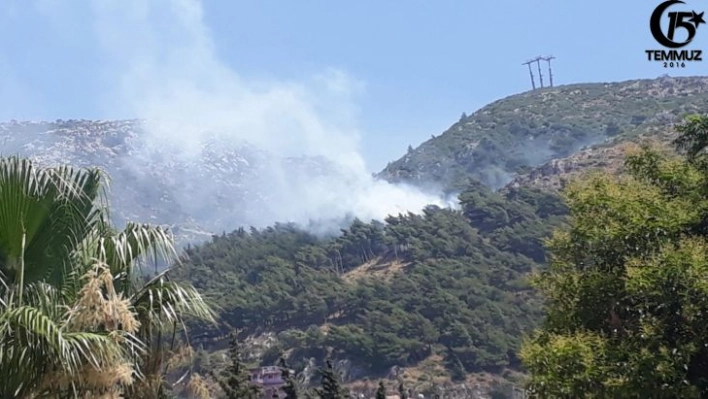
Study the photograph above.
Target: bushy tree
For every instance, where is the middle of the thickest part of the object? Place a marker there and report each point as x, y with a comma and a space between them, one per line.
626, 287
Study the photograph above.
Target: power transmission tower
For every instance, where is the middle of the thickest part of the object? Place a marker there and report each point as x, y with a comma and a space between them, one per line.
550, 72
533, 82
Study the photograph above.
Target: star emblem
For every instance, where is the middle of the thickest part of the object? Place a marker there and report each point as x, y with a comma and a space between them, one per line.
697, 19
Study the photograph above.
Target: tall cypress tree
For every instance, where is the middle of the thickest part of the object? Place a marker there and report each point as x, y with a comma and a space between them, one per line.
381, 392
331, 388
402, 391
290, 388
234, 380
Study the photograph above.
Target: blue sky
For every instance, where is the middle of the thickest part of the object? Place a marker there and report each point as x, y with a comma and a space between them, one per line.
417, 65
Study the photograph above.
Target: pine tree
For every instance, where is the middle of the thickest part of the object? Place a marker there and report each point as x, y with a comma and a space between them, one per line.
402, 391
381, 392
290, 388
330, 388
234, 380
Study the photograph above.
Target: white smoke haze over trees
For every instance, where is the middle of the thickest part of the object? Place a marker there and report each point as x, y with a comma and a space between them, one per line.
162, 66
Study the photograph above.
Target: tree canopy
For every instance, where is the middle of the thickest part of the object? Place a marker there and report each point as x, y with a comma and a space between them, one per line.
449, 282
626, 292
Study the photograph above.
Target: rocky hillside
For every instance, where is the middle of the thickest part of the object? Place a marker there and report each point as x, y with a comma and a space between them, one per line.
608, 157
221, 186
509, 137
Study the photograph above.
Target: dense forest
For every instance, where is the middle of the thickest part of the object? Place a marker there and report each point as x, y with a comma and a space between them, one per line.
451, 282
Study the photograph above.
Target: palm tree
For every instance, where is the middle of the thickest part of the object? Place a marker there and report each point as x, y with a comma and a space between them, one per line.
72, 292
160, 305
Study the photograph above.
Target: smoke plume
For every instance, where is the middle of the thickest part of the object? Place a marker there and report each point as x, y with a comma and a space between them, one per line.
167, 72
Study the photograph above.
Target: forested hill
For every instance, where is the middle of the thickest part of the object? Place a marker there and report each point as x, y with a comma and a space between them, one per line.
442, 294
514, 134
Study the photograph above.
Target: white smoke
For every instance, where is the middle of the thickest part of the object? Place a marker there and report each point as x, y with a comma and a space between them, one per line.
167, 71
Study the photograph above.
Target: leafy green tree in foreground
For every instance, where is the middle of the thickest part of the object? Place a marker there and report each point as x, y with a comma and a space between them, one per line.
627, 285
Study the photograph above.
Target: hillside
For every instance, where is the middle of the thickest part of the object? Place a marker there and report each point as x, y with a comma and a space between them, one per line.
608, 157
357, 298
511, 136
437, 296
220, 186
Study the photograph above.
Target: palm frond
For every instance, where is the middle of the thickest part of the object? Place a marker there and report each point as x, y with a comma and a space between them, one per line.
32, 344
74, 303
135, 243
54, 207
161, 300
32, 328
45, 297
